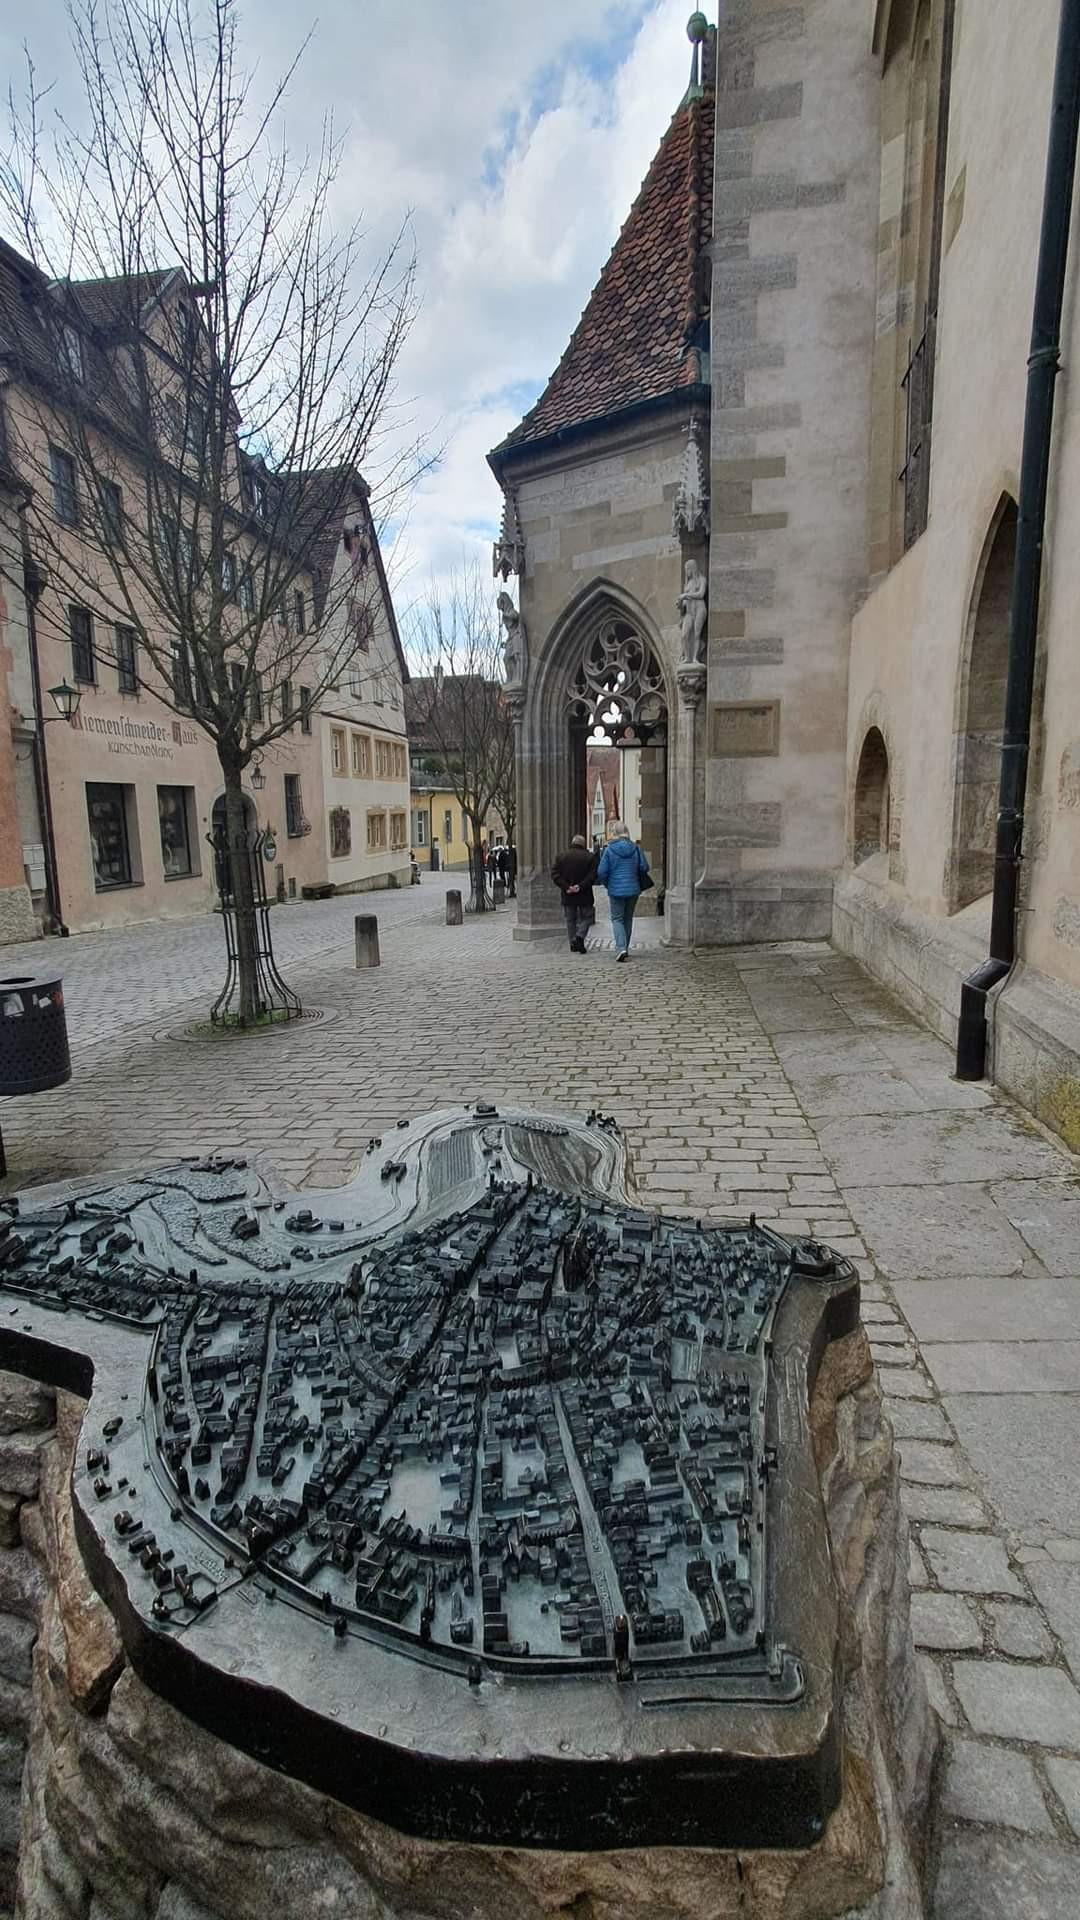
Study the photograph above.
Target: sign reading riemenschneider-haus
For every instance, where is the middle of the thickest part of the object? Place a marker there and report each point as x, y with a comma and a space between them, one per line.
474, 1494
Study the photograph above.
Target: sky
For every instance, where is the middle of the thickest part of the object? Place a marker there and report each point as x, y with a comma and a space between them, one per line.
512, 137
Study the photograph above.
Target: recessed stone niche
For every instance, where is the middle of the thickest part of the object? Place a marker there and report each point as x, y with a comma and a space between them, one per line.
469, 1542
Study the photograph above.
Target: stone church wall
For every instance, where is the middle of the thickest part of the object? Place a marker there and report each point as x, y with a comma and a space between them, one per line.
792, 332
929, 641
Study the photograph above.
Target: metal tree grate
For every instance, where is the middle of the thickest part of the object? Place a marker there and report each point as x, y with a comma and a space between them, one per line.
273, 998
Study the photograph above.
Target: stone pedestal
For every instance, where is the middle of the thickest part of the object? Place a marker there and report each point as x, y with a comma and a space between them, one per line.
125, 1807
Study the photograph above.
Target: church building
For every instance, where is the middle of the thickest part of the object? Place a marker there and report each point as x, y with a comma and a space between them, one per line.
764, 514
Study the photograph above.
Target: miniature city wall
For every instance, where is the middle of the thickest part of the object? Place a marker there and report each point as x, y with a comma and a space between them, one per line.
474, 1496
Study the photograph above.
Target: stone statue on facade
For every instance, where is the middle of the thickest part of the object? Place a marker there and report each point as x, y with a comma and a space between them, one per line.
515, 648
692, 607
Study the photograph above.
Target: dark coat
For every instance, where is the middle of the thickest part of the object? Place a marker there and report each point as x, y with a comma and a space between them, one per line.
576, 868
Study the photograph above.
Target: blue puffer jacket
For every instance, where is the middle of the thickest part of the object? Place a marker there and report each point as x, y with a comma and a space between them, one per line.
621, 867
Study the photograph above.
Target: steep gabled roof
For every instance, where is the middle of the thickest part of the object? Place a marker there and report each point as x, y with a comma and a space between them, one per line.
638, 337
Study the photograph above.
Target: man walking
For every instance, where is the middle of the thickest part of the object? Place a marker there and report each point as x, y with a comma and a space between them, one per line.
573, 873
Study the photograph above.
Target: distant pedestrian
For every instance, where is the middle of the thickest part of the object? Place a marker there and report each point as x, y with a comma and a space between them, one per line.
624, 871
573, 874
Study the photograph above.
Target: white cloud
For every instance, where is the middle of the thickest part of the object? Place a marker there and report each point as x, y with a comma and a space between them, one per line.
517, 137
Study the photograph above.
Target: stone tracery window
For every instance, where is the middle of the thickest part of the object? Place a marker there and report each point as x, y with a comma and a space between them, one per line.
618, 690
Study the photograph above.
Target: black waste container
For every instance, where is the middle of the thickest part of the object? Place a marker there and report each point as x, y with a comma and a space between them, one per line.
33, 1033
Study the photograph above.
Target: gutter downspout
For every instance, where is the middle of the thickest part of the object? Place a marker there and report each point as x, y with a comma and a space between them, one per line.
1043, 364
33, 582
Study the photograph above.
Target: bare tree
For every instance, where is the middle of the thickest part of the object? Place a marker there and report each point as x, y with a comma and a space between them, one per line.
207, 366
458, 713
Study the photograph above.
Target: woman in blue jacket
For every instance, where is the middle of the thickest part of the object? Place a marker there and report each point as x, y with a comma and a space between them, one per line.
622, 869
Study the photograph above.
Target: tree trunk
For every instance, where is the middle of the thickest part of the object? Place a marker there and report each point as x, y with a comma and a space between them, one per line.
239, 878
479, 902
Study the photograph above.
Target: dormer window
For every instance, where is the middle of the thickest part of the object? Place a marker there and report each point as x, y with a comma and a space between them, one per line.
256, 491
71, 346
356, 546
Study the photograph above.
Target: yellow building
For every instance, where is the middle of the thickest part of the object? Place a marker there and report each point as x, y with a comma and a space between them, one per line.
439, 826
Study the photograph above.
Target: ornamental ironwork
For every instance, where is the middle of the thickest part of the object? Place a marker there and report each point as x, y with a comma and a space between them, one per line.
618, 691
495, 1484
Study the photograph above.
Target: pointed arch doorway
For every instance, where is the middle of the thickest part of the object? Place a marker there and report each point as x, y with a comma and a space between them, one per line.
617, 705
600, 681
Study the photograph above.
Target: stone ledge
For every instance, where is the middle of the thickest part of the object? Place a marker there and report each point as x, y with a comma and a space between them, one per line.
1034, 1021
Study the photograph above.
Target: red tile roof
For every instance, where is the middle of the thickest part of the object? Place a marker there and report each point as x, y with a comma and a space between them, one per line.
636, 338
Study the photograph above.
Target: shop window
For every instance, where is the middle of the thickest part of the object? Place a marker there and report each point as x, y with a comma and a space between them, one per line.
65, 497
127, 677
108, 809
81, 628
175, 805
294, 807
337, 750
398, 830
340, 832
376, 832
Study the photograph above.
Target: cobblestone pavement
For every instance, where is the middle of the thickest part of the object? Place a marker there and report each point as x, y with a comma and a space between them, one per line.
780, 1080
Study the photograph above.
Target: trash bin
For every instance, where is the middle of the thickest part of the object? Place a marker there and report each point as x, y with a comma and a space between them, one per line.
33, 1033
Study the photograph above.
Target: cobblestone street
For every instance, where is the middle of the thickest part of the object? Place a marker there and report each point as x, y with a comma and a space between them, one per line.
777, 1080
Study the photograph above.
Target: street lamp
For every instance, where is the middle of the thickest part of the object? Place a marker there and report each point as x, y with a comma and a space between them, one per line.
258, 777
66, 700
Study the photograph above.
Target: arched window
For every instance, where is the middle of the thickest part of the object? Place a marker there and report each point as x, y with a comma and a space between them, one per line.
982, 716
870, 834
917, 64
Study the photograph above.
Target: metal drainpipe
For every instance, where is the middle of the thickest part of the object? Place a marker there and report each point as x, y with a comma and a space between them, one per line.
32, 584
1043, 363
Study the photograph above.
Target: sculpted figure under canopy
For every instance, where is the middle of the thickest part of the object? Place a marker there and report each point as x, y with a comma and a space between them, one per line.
692, 607
514, 648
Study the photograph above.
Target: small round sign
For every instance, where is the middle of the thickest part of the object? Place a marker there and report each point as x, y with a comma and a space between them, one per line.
269, 848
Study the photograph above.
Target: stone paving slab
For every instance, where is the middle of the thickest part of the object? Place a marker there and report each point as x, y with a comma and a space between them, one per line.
1000, 1367
997, 1875
1025, 1449
993, 1784
936, 1232
989, 1308
926, 1148
1038, 1704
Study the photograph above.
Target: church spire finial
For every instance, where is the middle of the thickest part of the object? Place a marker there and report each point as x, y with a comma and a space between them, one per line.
697, 28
